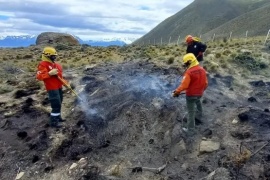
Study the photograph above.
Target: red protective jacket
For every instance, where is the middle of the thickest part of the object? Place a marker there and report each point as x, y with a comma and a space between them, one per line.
51, 82
194, 81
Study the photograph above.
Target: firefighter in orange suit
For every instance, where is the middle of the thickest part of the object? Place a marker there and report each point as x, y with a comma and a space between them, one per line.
194, 83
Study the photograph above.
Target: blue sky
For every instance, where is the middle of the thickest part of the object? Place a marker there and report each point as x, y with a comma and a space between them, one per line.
95, 19
2, 17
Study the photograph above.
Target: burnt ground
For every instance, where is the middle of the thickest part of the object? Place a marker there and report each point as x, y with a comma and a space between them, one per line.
128, 119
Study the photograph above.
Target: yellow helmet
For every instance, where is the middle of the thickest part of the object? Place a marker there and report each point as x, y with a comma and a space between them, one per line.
49, 51
189, 57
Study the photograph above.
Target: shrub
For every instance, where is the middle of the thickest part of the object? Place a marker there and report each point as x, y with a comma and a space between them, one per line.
262, 65
71, 66
247, 61
28, 56
207, 52
31, 69
161, 58
227, 52
213, 68
257, 55
224, 65
170, 60
65, 66
76, 59
233, 55
5, 89
218, 55
59, 47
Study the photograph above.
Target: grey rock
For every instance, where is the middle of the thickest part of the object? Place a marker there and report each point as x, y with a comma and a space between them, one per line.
209, 146
56, 38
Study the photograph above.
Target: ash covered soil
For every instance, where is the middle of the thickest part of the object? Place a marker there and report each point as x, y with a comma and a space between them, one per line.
129, 127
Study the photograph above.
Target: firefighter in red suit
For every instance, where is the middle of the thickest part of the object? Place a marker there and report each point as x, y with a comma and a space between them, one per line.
49, 72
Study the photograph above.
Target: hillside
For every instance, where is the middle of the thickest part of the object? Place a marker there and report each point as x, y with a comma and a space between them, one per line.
202, 16
128, 126
258, 23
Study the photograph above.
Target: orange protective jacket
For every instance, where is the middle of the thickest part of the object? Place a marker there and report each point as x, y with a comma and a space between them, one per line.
194, 82
50, 82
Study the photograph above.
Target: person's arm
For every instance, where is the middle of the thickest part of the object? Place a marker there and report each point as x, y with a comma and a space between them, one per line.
42, 73
188, 49
184, 85
202, 47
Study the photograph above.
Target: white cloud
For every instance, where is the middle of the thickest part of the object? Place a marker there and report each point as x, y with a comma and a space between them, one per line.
93, 19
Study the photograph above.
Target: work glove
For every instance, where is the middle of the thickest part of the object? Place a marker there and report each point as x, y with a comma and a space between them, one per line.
53, 72
175, 94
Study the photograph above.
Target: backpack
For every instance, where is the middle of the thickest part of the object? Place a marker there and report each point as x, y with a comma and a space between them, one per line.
196, 39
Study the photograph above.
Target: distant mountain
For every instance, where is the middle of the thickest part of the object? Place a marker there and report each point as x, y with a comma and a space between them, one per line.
108, 41
204, 16
17, 41
27, 40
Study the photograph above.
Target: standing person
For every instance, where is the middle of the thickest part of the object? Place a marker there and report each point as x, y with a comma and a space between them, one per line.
196, 47
194, 83
49, 72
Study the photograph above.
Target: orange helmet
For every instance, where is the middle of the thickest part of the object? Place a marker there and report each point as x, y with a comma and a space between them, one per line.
189, 39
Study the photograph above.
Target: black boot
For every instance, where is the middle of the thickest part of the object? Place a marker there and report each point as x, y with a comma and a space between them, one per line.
54, 122
60, 119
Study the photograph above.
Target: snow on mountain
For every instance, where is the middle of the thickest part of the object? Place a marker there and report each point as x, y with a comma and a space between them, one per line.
124, 39
17, 41
18, 37
2, 37
27, 40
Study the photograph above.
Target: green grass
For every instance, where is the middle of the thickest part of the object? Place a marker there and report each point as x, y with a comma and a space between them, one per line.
5, 89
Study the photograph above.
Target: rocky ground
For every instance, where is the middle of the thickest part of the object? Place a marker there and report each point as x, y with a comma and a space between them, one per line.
127, 126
